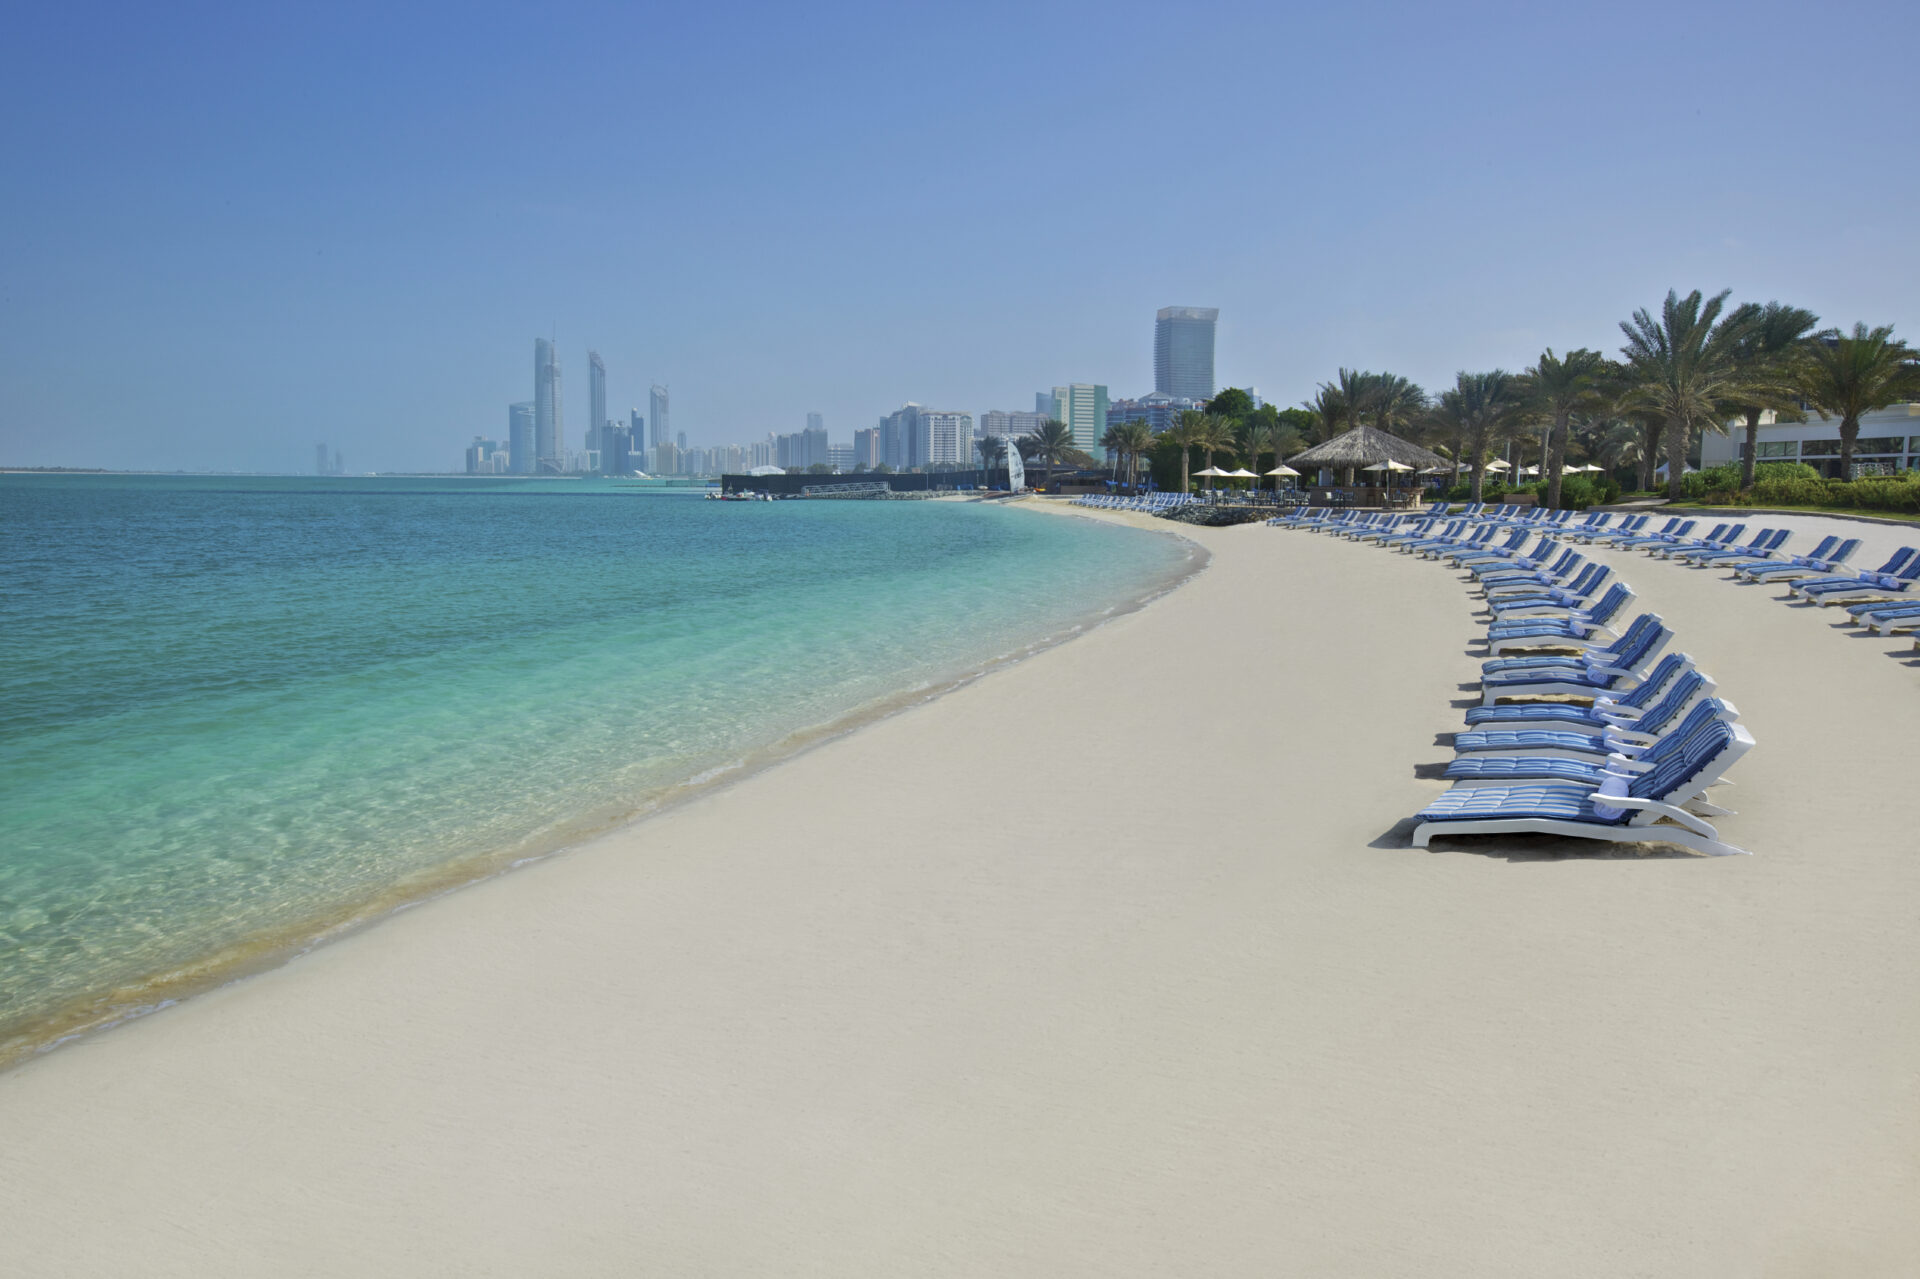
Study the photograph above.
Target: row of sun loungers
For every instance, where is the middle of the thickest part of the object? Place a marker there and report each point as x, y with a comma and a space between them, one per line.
1148, 502
1584, 729
1882, 599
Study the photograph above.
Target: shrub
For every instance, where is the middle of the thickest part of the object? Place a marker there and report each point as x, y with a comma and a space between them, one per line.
1784, 471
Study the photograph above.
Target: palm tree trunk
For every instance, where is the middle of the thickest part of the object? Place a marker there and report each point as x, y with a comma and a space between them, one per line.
1556, 458
1186, 461
1679, 434
1649, 450
1750, 451
1849, 434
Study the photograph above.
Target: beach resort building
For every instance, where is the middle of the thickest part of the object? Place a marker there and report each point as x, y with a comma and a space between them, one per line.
1889, 441
1158, 411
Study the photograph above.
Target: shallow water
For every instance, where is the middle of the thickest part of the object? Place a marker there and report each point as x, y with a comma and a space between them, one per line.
237, 712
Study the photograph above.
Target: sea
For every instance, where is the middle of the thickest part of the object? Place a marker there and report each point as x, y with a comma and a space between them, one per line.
241, 715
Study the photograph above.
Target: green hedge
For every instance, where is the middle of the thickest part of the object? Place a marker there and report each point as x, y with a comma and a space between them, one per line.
1897, 493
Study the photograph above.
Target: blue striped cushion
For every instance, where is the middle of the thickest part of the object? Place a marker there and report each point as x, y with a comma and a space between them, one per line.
1552, 675
1559, 770
1505, 664
1544, 713
1491, 803
1509, 739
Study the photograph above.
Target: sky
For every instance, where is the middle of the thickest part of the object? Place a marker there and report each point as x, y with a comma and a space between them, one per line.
233, 231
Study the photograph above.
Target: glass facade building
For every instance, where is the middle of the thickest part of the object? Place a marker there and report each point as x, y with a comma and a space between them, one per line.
1183, 351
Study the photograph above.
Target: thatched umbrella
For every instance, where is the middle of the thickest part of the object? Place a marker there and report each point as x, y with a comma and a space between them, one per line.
1365, 446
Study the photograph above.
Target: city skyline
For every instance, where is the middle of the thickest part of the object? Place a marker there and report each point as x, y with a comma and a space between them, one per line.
330, 222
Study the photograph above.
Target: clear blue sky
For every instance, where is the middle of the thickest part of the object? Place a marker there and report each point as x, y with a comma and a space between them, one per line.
233, 230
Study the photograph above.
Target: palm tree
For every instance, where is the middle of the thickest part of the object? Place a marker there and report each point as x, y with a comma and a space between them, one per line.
1052, 443
1561, 387
1769, 348
1128, 440
1389, 401
1683, 369
1848, 375
1483, 408
1185, 435
1251, 438
1214, 434
1332, 413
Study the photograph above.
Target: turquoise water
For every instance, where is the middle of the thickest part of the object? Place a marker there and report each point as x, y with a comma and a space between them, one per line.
239, 712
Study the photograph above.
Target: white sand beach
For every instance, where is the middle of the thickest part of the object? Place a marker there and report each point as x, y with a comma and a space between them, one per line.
1113, 962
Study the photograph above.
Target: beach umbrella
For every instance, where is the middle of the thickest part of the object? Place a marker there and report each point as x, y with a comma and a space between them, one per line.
1499, 465
1284, 470
1211, 473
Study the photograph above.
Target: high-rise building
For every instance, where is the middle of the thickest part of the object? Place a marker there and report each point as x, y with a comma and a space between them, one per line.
615, 449
840, 457
1043, 403
320, 459
1001, 422
657, 417
485, 456
1083, 407
680, 440
815, 422
596, 397
523, 456
944, 438
339, 463
549, 443
1158, 411
866, 449
1183, 351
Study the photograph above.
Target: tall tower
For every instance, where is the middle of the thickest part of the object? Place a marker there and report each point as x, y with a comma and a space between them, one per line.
657, 432
522, 456
1183, 351
548, 439
596, 400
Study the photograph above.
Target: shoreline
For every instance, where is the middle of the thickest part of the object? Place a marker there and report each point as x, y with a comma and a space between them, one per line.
269, 949
1118, 962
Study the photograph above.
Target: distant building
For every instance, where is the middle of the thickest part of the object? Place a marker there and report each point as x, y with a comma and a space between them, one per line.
657, 417
1083, 407
320, 460
866, 449
840, 457
1183, 351
1889, 441
596, 397
944, 438
680, 438
915, 436
1001, 422
637, 428
815, 422
1043, 403
666, 459
1158, 411
339, 463
549, 444
615, 449
522, 453
486, 457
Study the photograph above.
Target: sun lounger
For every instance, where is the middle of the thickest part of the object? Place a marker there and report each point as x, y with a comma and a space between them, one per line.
1650, 809
1618, 752
1673, 677
1616, 666
1893, 578
1802, 566
1632, 527
1553, 632
1553, 601
1725, 537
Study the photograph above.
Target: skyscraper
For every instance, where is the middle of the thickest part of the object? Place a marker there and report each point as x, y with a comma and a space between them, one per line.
1083, 407
522, 456
815, 422
548, 434
319, 459
1183, 351
657, 417
596, 396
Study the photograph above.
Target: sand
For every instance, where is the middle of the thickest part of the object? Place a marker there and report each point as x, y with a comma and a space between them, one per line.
1114, 962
